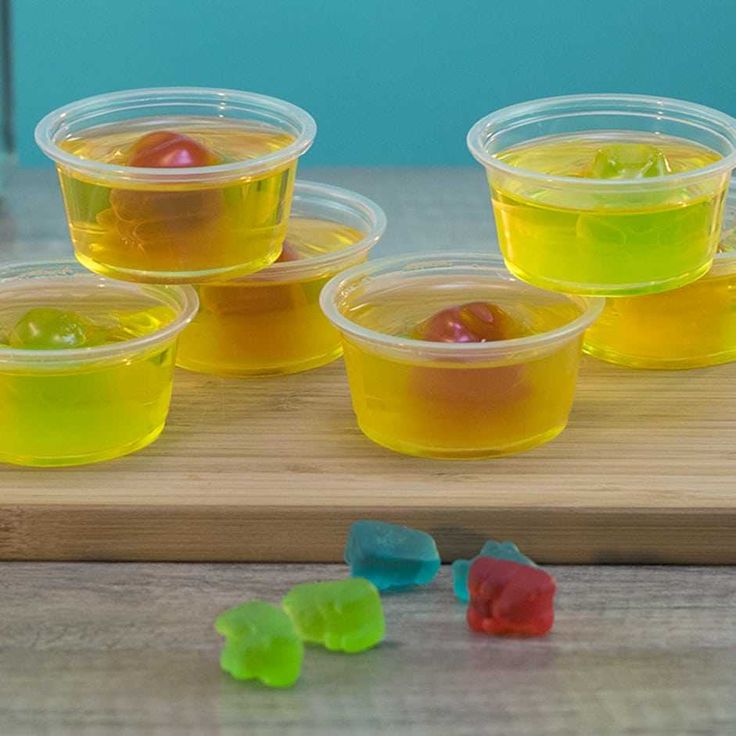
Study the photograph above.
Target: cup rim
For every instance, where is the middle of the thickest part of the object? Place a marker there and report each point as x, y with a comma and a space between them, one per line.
311, 193
46, 139
592, 307
601, 105
183, 296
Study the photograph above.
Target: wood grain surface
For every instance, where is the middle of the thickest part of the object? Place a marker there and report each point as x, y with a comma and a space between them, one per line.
275, 468
100, 649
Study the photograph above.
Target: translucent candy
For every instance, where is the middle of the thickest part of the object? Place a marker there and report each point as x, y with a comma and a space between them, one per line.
507, 598
492, 548
391, 556
48, 328
472, 322
166, 149
261, 644
629, 161
341, 615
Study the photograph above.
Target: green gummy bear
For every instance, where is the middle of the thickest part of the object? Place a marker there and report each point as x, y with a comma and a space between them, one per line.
342, 615
48, 328
261, 644
629, 161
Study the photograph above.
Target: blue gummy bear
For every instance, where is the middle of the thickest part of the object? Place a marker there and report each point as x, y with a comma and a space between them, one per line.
391, 556
492, 548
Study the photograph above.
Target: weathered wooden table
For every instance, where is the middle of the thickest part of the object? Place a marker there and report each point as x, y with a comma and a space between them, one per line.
95, 648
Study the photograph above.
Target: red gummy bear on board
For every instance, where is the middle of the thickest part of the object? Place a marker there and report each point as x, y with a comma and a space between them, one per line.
507, 598
164, 149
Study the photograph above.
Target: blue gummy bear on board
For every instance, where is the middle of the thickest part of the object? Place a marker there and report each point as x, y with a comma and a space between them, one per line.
492, 548
391, 556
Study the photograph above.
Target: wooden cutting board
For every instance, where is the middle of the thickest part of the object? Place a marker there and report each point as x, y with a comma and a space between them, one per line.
276, 469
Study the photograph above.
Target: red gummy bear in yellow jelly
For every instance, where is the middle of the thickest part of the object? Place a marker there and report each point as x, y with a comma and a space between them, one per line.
166, 149
288, 253
473, 322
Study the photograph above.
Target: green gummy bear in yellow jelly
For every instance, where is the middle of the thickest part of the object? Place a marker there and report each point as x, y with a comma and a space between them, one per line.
342, 615
48, 328
629, 161
261, 644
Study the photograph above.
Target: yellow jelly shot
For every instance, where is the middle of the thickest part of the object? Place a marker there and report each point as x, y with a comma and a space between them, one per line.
582, 207
271, 322
685, 328
455, 358
171, 186
86, 364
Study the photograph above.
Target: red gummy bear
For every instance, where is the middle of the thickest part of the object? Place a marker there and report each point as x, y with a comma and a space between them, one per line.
509, 598
288, 253
472, 322
164, 149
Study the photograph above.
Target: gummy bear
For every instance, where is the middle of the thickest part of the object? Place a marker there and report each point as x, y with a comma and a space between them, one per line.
342, 615
261, 644
492, 548
391, 556
166, 149
48, 328
509, 598
471, 322
629, 161
288, 253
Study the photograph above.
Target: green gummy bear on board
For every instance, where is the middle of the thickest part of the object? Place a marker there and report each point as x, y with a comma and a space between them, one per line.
261, 643
341, 615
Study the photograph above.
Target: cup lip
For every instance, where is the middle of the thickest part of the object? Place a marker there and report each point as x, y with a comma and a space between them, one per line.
592, 307
311, 193
710, 118
186, 297
48, 125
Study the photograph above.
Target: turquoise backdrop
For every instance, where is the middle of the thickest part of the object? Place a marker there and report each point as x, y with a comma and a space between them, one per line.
389, 81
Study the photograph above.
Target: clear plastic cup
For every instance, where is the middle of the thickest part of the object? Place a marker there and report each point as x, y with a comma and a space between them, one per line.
607, 236
271, 321
455, 400
180, 224
689, 327
72, 406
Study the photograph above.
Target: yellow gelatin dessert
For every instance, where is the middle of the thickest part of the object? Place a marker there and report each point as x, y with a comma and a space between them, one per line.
455, 358
86, 364
607, 194
271, 322
176, 185
688, 327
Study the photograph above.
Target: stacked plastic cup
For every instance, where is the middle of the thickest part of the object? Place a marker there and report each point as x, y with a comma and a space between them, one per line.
166, 190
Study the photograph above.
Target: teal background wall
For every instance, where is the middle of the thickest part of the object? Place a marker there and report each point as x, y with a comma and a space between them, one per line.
389, 81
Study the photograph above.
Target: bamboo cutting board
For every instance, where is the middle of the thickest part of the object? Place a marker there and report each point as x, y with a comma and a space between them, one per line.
276, 469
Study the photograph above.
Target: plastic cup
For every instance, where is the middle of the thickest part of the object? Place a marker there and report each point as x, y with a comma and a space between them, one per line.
689, 327
271, 321
177, 225
84, 405
454, 400
607, 237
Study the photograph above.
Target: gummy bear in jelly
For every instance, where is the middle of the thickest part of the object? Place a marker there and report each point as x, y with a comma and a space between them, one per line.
472, 322
509, 598
342, 615
492, 548
391, 556
48, 328
261, 644
630, 161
